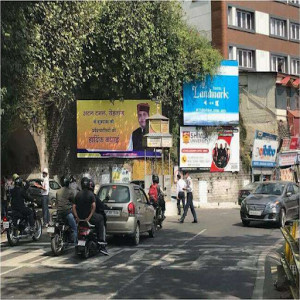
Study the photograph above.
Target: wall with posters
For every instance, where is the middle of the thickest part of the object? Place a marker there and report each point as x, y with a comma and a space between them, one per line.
112, 129
214, 151
214, 101
264, 150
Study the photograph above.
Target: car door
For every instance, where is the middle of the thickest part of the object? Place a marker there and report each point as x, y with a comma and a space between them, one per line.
148, 210
289, 200
140, 209
296, 201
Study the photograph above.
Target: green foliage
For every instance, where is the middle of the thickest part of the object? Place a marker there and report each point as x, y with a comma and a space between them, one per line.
111, 50
245, 153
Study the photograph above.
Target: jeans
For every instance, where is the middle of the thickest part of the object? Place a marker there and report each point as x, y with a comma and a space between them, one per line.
73, 225
46, 214
181, 198
26, 213
189, 204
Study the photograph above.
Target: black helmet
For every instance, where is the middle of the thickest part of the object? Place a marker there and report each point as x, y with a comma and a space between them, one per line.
18, 181
65, 181
85, 183
155, 179
92, 185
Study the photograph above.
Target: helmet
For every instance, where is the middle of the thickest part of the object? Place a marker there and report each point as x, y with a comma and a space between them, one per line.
15, 176
65, 181
92, 185
46, 171
18, 181
85, 183
155, 179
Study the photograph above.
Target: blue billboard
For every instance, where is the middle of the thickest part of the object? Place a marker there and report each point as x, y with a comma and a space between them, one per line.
215, 100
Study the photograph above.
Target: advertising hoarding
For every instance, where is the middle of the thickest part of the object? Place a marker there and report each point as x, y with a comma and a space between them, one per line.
287, 159
215, 100
112, 129
264, 150
214, 151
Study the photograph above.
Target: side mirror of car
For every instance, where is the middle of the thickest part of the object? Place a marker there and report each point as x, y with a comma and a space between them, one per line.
289, 194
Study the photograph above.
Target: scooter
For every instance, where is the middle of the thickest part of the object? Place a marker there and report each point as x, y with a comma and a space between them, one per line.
87, 240
17, 227
61, 235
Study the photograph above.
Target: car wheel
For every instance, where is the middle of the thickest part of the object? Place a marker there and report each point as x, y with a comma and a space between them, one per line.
246, 223
136, 235
152, 230
282, 218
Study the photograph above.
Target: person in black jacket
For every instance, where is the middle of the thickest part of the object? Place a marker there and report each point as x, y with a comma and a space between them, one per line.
18, 197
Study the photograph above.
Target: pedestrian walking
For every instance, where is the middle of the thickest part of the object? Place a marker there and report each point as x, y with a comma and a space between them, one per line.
189, 200
181, 185
45, 194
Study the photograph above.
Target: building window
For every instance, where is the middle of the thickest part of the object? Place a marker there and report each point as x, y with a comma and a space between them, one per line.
295, 66
230, 53
278, 27
245, 58
295, 2
244, 19
295, 31
278, 64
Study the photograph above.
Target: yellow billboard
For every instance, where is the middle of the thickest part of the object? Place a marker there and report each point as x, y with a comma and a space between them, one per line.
112, 128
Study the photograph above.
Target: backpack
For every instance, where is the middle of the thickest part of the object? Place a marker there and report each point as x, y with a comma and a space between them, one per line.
153, 193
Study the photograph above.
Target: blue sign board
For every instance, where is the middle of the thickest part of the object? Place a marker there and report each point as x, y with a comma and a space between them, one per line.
215, 100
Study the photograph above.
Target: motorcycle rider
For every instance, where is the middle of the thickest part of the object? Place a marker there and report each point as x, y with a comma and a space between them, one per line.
160, 194
18, 196
73, 185
84, 208
65, 199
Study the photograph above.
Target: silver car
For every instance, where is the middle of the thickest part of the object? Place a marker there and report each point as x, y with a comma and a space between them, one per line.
130, 212
273, 201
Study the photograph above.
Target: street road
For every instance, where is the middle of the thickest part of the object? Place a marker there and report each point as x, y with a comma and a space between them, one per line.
216, 258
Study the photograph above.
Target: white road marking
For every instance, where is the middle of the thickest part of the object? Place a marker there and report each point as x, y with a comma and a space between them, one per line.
14, 269
166, 257
16, 261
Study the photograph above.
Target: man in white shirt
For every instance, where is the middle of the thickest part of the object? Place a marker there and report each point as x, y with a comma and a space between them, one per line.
189, 199
45, 194
181, 185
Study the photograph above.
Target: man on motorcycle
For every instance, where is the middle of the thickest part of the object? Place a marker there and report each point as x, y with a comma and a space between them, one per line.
18, 196
84, 208
65, 199
156, 195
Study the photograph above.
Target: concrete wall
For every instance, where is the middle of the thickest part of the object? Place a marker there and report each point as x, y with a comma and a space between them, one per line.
198, 15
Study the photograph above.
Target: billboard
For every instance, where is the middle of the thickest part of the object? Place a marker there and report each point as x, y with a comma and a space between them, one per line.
287, 159
112, 129
215, 150
215, 100
264, 150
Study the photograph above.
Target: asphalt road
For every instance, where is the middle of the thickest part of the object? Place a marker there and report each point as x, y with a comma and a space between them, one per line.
216, 258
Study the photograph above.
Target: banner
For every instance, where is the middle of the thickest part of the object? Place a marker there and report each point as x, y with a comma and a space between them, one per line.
287, 159
264, 150
214, 101
120, 175
216, 150
113, 129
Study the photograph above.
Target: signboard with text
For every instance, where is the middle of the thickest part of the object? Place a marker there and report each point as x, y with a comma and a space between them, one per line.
214, 151
264, 150
113, 129
215, 100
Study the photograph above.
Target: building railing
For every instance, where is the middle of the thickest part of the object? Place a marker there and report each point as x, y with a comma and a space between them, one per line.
290, 259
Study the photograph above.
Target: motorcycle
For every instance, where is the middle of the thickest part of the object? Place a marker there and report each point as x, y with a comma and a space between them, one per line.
87, 240
61, 235
17, 227
159, 217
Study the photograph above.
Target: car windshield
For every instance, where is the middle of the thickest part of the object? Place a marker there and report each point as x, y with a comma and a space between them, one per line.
114, 193
270, 189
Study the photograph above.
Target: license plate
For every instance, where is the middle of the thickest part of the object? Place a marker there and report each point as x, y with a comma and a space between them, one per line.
113, 213
50, 230
255, 212
81, 243
5, 225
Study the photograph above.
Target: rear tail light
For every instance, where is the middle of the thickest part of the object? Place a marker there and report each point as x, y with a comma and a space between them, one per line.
84, 231
131, 208
4, 219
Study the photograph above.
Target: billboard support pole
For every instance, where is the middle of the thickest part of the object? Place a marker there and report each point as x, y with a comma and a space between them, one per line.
145, 171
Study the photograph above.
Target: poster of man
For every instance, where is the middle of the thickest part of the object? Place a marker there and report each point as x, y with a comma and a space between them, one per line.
136, 139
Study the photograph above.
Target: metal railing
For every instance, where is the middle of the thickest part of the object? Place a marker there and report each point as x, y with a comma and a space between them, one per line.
290, 259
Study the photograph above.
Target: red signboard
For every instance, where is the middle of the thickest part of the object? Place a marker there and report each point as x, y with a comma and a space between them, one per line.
295, 143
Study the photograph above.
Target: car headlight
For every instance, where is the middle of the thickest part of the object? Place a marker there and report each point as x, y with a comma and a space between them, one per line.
272, 205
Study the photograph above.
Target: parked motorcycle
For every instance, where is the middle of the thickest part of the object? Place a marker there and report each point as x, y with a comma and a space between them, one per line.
17, 227
87, 240
61, 235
